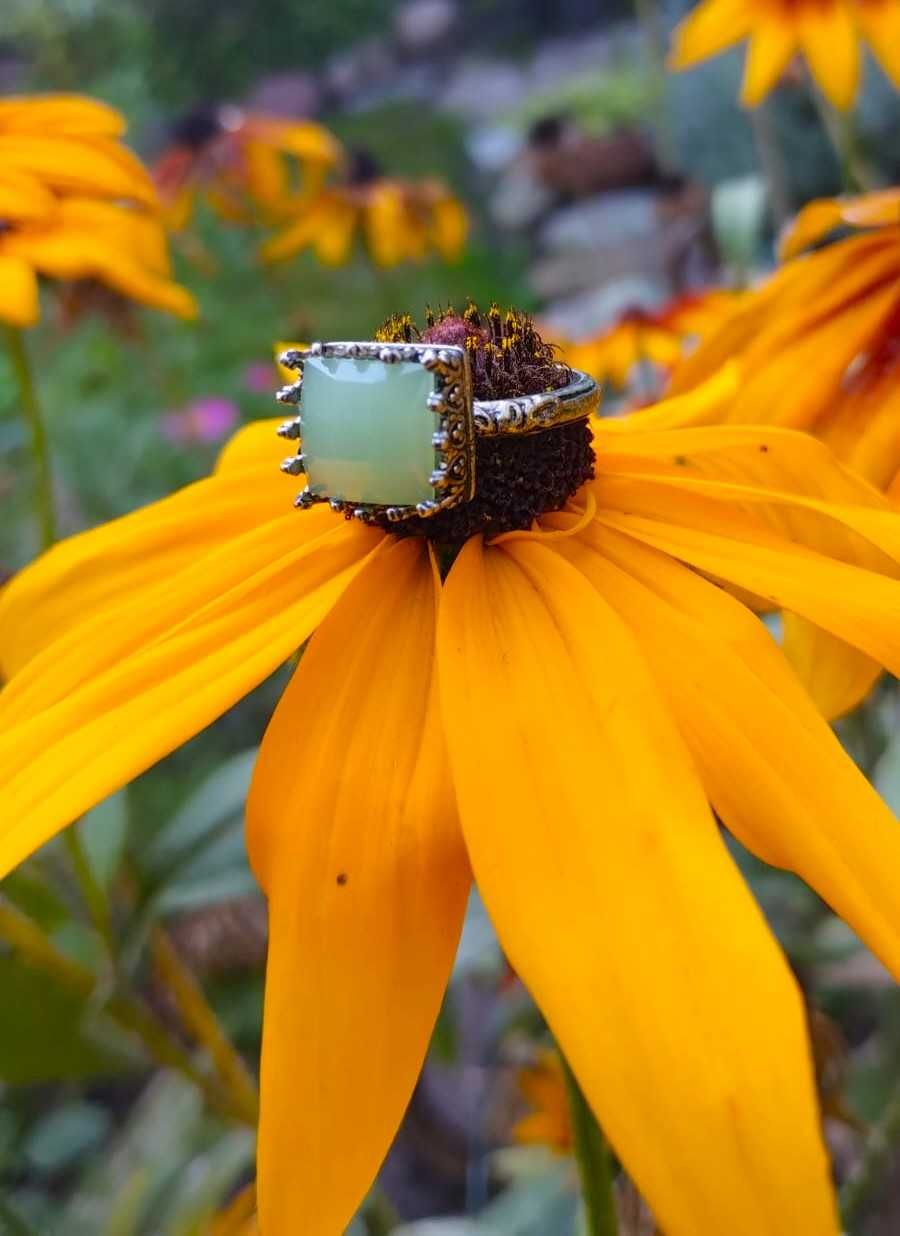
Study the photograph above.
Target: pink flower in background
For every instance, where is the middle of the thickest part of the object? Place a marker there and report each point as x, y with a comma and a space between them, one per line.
259, 378
202, 420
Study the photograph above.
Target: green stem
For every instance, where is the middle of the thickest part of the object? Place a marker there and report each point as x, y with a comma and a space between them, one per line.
594, 1162
123, 1008
857, 176
94, 897
43, 492
771, 160
876, 1153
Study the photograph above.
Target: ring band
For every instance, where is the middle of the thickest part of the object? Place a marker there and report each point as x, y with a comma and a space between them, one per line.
368, 449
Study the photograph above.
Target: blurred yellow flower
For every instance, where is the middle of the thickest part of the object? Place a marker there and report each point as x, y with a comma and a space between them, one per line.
543, 1085
827, 33
399, 220
75, 204
654, 336
603, 693
245, 165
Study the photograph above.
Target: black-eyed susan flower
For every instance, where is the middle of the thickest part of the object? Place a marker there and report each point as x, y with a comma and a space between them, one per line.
827, 33
654, 337
75, 204
559, 692
398, 220
245, 165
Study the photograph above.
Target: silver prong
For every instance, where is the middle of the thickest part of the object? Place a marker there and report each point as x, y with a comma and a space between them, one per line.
440, 440
360, 512
424, 509
439, 479
293, 358
306, 498
293, 465
437, 402
289, 394
336, 504
394, 514
289, 429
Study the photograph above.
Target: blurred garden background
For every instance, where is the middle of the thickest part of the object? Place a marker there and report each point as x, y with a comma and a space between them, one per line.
536, 153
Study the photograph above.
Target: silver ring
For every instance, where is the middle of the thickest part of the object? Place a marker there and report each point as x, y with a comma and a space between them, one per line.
362, 470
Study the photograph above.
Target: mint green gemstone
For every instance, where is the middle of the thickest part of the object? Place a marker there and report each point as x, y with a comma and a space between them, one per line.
366, 430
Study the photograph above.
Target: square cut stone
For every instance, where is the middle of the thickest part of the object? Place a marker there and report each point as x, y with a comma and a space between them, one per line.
367, 429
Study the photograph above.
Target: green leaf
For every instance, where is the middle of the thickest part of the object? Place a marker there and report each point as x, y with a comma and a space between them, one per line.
65, 1134
103, 833
50, 1036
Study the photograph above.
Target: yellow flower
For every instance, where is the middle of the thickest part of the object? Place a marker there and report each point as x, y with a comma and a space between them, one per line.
241, 163
400, 221
544, 1087
641, 335
563, 715
826, 32
74, 205
818, 345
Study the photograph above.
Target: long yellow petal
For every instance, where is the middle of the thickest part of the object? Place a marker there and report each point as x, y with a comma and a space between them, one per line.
775, 772
23, 197
837, 676
86, 574
880, 22
829, 39
352, 830
772, 45
615, 899
711, 27
19, 301
74, 115
91, 166
58, 763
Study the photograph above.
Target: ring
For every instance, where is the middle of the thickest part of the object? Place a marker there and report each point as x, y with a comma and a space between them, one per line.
389, 429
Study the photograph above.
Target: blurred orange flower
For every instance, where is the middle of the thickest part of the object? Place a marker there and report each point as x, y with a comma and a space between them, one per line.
399, 220
76, 204
642, 335
243, 164
827, 32
544, 1087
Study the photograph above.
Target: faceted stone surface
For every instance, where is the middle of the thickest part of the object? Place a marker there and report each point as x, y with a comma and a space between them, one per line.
367, 430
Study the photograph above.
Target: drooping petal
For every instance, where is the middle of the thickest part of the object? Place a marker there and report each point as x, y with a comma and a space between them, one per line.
602, 869
837, 676
829, 39
773, 769
711, 27
814, 221
89, 166
86, 574
704, 405
880, 22
19, 301
56, 764
352, 831
74, 115
772, 44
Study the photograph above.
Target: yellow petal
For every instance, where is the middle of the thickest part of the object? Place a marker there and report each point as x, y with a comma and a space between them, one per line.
856, 605
74, 115
23, 197
256, 445
155, 610
19, 303
829, 39
880, 23
88, 573
772, 45
709, 29
352, 830
56, 764
704, 405
617, 903
90, 166
814, 221
450, 227
773, 769
836, 675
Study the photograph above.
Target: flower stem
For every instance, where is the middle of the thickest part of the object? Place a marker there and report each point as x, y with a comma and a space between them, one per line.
200, 1019
876, 1152
43, 491
125, 1009
594, 1162
94, 897
857, 176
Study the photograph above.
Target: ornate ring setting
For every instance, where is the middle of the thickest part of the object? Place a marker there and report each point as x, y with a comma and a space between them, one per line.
389, 429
